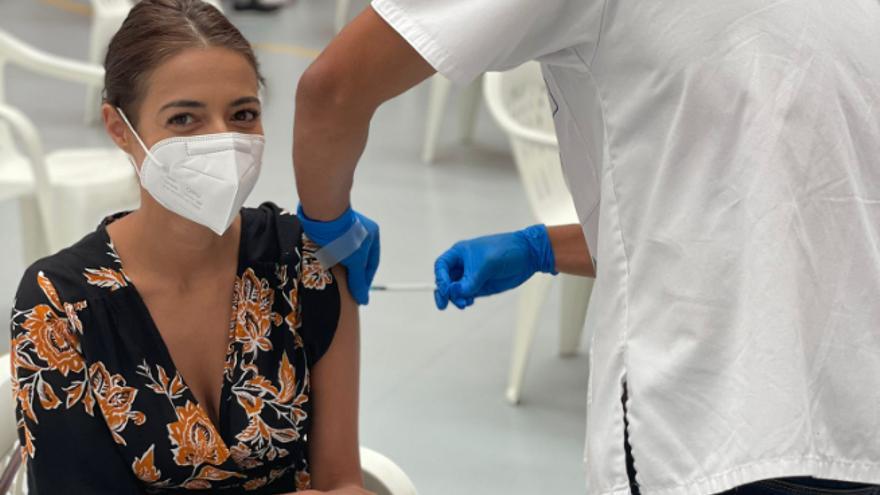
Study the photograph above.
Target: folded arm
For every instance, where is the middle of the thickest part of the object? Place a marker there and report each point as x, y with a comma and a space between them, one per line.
367, 64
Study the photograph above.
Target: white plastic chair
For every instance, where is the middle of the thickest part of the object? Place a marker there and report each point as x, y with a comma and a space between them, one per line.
382, 476
437, 103
107, 18
341, 18
63, 195
518, 101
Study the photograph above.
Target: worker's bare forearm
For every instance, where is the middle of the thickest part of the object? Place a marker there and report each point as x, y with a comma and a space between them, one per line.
366, 65
570, 250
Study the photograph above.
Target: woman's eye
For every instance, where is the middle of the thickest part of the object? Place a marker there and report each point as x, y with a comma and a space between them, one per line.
246, 115
183, 119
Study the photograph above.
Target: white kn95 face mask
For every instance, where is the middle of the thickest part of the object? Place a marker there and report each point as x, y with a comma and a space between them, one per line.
205, 178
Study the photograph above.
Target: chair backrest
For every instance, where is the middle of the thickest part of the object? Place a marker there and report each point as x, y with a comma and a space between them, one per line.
216, 3
518, 101
111, 4
15, 51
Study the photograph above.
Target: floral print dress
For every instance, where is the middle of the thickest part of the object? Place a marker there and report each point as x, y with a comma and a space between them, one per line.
101, 407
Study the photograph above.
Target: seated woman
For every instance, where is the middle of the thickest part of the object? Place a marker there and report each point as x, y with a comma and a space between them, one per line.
191, 344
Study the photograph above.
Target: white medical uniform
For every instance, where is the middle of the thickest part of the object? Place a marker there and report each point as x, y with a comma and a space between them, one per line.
724, 158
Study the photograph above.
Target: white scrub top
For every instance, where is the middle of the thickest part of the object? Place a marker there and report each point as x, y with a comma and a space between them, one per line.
724, 158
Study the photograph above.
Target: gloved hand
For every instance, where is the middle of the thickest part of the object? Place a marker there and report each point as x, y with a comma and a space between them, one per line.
351, 240
492, 264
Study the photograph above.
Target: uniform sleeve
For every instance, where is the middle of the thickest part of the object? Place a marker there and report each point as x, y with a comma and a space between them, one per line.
66, 445
319, 302
464, 38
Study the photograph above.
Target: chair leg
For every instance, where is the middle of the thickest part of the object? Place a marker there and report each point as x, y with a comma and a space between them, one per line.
103, 28
531, 299
97, 46
575, 296
34, 242
93, 105
469, 106
342, 8
440, 87
93, 93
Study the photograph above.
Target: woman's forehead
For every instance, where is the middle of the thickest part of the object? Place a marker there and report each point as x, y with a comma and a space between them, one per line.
202, 74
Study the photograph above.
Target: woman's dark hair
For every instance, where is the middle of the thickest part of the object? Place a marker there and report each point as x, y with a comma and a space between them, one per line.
153, 32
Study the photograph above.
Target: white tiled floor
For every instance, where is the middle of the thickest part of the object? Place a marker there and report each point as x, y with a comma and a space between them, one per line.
433, 383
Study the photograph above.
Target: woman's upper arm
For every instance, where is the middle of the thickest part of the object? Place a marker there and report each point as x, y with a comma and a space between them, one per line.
333, 440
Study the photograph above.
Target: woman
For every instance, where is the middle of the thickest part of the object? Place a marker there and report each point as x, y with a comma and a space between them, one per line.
189, 344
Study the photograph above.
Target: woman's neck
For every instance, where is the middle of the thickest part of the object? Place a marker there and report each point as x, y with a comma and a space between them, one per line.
162, 246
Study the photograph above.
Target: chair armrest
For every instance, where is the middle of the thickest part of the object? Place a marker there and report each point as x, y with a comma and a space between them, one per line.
382, 476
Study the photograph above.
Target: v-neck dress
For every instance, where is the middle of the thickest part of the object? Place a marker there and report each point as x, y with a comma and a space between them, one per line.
101, 407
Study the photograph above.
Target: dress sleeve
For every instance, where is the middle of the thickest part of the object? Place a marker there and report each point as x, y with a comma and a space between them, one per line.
318, 302
464, 38
311, 295
66, 445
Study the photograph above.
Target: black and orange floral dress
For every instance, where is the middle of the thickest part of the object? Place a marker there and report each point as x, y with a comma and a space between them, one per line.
101, 407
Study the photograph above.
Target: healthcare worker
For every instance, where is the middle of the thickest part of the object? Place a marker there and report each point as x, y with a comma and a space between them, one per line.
724, 159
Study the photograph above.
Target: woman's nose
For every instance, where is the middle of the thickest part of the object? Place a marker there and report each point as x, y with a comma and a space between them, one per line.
218, 124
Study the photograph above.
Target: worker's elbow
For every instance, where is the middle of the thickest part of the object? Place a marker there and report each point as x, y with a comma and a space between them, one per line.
324, 90
315, 85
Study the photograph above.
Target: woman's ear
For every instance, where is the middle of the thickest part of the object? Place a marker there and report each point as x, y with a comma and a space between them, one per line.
116, 128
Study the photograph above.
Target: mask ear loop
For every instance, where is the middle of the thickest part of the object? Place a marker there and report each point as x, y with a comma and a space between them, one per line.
139, 140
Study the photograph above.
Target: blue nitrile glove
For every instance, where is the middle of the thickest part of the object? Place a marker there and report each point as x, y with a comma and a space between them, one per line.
351, 240
492, 264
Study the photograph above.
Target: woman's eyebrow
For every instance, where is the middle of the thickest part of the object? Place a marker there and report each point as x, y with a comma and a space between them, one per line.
244, 100
183, 104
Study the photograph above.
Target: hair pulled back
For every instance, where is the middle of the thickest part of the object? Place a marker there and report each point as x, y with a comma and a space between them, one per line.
155, 31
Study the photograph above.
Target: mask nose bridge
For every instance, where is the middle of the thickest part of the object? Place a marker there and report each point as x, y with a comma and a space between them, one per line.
217, 143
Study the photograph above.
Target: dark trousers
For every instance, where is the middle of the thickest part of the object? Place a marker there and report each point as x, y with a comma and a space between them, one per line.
804, 486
